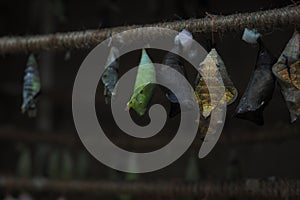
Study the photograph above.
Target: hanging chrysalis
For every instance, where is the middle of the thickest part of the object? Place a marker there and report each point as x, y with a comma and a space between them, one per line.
31, 88
82, 165
61, 197
210, 66
287, 72
25, 196
144, 85
260, 88
132, 165
41, 154
233, 171
182, 42
192, 173
53, 166
67, 165
24, 166
110, 74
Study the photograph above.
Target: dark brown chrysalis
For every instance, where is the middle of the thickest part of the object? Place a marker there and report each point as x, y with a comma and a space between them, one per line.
182, 43
176, 63
260, 88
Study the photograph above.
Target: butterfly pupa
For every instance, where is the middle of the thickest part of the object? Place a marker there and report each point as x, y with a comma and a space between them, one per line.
110, 75
67, 165
193, 173
24, 164
82, 165
287, 72
31, 88
182, 44
132, 165
144, 85
260, 88
25, 196
53, 165
212, 65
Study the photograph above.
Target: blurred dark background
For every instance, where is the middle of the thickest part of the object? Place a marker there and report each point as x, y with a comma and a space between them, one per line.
247, 158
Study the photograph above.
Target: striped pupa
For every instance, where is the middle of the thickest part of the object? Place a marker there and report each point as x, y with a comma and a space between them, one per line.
31, 88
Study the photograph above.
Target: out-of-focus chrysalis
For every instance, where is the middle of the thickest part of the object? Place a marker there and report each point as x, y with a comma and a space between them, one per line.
61, 198
183, 43
67, 165
25, 196
259, 90
132, 165
24, 166
110, 75
41, 156
192, 173
53, 167
233, 171
211, 65
31, 88
287, 72
82, 165
144, 85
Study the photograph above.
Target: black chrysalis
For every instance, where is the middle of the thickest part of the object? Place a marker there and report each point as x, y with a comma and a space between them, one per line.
260, 88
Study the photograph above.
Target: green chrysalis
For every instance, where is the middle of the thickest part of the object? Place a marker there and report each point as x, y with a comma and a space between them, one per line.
144, 85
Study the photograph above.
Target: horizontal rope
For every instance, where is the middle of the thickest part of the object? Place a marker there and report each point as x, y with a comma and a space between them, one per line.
71, 139
265, 20
250, 188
